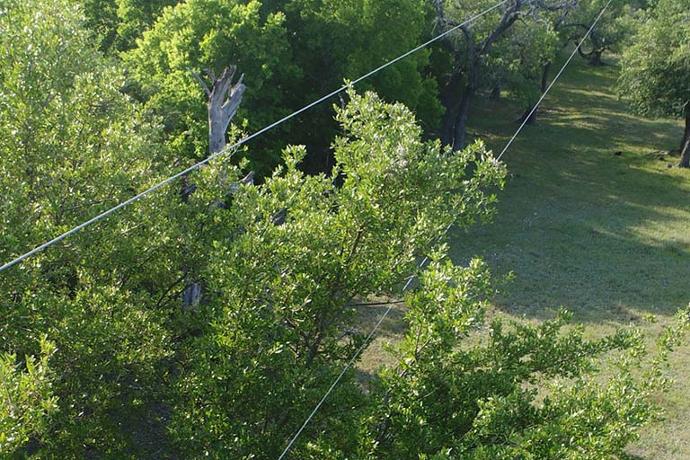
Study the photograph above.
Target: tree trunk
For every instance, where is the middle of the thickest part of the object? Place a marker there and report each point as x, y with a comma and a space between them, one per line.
460, 124
686, 133
224, 99
531, 118
595, 58
459, 130
685, 143
685, 156
545, 77
495, 92
685, 146
449, 99
455, 121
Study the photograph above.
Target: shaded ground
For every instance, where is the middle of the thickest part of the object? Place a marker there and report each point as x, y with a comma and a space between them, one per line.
592, 219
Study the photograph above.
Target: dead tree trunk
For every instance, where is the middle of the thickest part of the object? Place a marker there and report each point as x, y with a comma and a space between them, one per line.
223, 100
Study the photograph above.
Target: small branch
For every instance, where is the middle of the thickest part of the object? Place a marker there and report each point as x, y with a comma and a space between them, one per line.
373, 304
202, 83
170, 288
211, 74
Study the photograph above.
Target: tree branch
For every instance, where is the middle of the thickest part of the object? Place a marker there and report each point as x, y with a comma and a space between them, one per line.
202, 83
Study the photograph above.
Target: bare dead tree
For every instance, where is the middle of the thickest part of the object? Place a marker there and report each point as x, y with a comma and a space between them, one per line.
223, 100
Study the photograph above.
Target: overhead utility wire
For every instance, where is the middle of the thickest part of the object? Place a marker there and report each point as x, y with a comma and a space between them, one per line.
354, 357
234, 146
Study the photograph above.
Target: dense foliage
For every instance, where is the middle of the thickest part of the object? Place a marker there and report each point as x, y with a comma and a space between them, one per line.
290, 53
200, 34
508, 391
103, 356
118, 23
279, 311
71, 145
27, 399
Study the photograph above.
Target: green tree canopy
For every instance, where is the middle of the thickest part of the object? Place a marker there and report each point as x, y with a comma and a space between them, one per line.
118, 23
71, 145
656, 66
212, 34
291, 53
280, 309
26, 399
102, 357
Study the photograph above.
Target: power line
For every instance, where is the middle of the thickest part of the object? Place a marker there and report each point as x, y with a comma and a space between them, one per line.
234, 146
353, 359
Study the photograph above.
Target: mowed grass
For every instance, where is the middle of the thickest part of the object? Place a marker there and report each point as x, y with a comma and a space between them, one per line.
592, 219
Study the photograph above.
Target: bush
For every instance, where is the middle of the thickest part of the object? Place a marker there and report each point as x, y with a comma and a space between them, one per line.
26, 399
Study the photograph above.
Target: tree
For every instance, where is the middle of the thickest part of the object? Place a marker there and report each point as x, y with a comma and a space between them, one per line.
468, 49
291, 53
102, 21
71, 146
299, 253
283, 266
26, 399
118, 23
520, 61
224, 98
655, 68
197, 35
135, 17
281, 315
334, 40
512, 391
610, 33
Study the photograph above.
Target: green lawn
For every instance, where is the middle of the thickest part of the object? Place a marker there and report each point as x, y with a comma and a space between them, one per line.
605, 235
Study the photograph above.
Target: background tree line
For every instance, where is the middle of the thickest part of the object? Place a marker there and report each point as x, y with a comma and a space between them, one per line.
294, 51
106, 354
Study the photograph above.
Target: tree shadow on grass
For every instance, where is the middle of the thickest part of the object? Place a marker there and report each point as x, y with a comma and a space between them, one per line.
590, 219
392, 326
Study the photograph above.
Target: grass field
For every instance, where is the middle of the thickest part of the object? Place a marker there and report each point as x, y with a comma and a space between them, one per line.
592, 219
